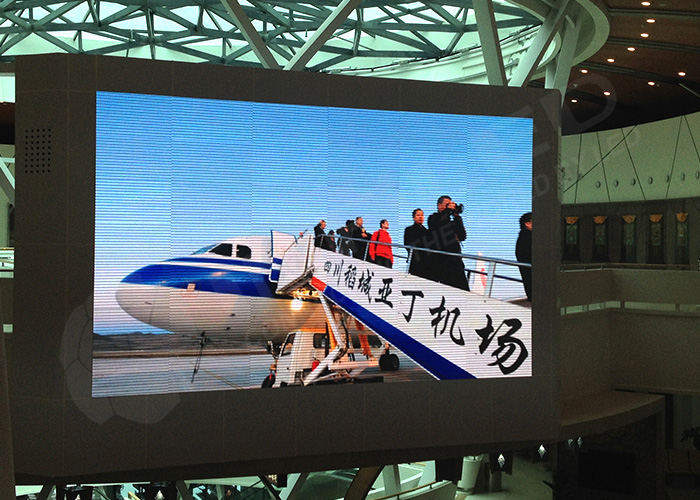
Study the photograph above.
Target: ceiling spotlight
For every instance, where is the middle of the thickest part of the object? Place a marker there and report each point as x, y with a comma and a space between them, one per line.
646, 4
584, 71
681, 73
631, 49
651, 84
651, 21
644, 35
574, 100
611, 60
606, 93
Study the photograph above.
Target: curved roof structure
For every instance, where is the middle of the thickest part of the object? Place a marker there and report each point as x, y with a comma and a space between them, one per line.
647, 68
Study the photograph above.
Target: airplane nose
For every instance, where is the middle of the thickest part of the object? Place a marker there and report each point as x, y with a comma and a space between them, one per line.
136, 300
139, 294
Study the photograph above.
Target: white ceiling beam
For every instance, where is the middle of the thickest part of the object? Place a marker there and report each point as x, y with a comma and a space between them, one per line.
560, 77
534, 54
490, 44
7, 182
250, 34
322, 34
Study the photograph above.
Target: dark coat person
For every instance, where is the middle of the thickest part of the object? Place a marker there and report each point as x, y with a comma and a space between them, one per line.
320, 237
359, 248
417, 235
330, 243
447, 232
344, 232
523, 252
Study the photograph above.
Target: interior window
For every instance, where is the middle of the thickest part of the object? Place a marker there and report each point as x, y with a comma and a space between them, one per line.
288, 344
374, 341
320, 340
243, 252
224, 249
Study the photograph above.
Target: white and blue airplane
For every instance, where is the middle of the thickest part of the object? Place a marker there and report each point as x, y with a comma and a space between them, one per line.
228, 288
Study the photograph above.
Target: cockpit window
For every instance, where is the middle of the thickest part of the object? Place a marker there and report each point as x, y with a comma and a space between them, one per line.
224, 249
204, 250
243, 252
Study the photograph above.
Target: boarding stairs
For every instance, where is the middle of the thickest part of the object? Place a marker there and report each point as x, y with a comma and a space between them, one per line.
451, 333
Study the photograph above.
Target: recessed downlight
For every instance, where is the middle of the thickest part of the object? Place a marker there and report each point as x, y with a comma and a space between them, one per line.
631, 49
610, 60
681, 73
606, 93
651, 21
651, 84
644, 35
646, 4
584, 71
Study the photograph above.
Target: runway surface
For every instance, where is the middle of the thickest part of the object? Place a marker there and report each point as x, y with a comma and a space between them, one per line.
129, 376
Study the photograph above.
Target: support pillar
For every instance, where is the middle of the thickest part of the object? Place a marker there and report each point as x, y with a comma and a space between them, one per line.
392, 480
360, 486
184, 492
7, 467
45, 492
495, 482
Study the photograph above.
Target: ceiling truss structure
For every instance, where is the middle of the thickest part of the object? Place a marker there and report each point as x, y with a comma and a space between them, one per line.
315, 35
542, 43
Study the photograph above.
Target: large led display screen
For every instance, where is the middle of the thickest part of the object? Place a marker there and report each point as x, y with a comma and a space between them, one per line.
213, 270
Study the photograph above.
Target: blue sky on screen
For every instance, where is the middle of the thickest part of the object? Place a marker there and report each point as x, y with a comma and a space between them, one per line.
176, 174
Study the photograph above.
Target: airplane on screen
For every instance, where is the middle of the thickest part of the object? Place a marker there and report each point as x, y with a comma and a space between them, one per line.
229, 289
223, 289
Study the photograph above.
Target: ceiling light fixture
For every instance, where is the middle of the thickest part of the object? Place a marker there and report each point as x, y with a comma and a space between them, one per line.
584, 71
606, 93
631, 49
651, 84
574, 100
651, 21
644, 35
681, 73
611, 60
646, 4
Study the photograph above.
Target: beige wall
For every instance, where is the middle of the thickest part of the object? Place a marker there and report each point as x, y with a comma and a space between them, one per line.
648, 339
654, 161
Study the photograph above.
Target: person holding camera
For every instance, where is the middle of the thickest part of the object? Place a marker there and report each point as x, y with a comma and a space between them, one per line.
447, 231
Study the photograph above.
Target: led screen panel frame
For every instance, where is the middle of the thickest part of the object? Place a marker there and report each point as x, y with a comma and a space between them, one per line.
59, 239
186, 257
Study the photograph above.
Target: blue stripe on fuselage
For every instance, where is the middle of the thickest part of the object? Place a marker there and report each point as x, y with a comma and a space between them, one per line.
205, 279
215, 260
440, 367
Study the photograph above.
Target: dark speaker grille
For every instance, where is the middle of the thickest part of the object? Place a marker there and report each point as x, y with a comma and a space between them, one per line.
37, 151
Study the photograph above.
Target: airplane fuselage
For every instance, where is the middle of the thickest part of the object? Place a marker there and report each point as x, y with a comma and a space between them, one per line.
225, 289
